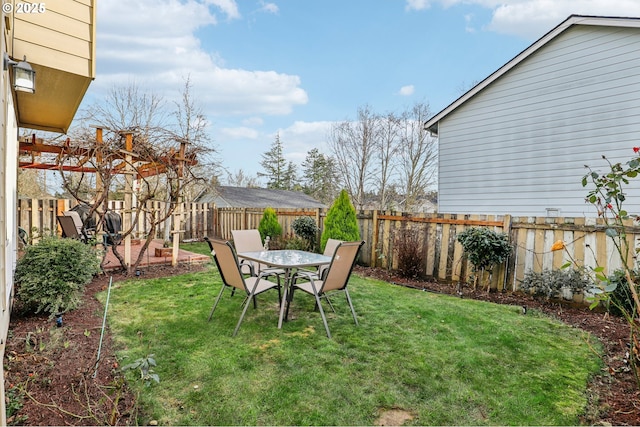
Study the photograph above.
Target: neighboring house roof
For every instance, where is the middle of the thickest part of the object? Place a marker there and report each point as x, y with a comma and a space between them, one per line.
236, 197
432, 124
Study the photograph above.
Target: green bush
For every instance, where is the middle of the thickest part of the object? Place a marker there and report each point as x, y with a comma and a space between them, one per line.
269, 225
621, 298
549, 283
305, 227
483, 247
51, 275
341, 222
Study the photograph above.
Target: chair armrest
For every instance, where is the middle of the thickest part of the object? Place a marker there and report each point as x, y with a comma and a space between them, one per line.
310, 275
252, 271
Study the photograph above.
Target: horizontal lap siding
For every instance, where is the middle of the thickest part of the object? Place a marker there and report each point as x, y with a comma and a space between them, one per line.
520, 145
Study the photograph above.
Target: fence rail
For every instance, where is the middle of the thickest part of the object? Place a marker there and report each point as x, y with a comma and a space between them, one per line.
531, 237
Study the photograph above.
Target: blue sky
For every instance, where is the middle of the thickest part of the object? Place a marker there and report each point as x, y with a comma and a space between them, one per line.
293, 67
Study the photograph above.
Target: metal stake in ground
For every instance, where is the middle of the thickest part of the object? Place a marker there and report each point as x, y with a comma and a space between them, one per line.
104, 322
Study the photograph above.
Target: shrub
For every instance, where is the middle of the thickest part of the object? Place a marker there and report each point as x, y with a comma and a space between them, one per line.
409, 246
51, 275
341, 222
298, 243
483, 247
621, 298
305, 227
269, 225
549, 283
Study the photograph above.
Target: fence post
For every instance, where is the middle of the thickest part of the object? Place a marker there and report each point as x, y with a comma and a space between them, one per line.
374, 239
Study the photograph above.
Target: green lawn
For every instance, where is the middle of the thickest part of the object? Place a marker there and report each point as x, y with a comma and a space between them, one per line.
444, 360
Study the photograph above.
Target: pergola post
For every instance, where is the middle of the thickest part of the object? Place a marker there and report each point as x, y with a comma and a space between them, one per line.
128, 196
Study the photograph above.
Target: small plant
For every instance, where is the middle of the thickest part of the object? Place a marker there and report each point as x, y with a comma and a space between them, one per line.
551, 283
484, 248
14, 401
167, 244
145, 366
269, 225
298, 243
341, 222
410, 249
51, 275
305, 228
621, 298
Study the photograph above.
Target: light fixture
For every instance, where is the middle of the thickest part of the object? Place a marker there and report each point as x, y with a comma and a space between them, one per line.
24, 77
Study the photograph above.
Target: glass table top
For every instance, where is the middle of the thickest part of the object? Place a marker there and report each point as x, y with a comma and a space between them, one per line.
286, 258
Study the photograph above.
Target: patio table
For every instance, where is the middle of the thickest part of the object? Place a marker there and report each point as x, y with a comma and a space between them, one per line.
286, 259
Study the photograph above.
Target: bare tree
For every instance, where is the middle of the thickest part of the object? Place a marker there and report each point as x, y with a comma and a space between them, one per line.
133, 136
353, 145
240, 179
387, 147
418, 155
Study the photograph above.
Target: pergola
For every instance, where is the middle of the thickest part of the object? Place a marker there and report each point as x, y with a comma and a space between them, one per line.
69, 158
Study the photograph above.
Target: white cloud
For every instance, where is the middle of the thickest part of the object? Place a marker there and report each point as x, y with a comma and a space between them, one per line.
301, 137
531, 19
229, 7
239, 133
154, 41
253, 121
468, 19
407, 90
417, 4
535, 17
269, 7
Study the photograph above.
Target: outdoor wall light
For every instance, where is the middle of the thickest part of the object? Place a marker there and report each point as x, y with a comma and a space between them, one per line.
24, 77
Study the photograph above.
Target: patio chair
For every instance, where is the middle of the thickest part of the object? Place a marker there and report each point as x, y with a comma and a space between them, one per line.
335, 279
206, 239
227, 262
69, 229
77, 222
250, 241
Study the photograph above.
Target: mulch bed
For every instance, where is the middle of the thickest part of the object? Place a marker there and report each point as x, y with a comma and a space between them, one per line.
55, 370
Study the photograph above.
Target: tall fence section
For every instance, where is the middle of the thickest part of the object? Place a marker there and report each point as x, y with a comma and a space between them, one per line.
530, 237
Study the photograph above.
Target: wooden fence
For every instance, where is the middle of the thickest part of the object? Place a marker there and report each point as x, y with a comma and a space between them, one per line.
531, 237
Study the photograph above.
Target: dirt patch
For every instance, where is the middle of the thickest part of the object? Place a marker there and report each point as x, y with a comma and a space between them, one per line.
51, 375
393, 417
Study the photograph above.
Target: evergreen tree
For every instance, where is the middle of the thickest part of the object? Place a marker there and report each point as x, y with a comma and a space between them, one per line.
341, 222
319, 176
280, 174
269, 225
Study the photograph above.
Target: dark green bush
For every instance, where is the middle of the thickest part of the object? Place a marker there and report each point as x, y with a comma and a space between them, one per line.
549, 283
269, 225
51, 275
621, 298
483, 247
410, 248
341, 222
305, 227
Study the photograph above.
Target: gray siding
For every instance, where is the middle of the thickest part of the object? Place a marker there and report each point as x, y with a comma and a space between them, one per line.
520, 145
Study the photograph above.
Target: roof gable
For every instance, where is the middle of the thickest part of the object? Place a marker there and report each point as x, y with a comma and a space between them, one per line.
432, 124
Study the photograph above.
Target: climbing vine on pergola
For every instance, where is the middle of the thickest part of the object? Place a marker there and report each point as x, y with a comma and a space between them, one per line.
148, 167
